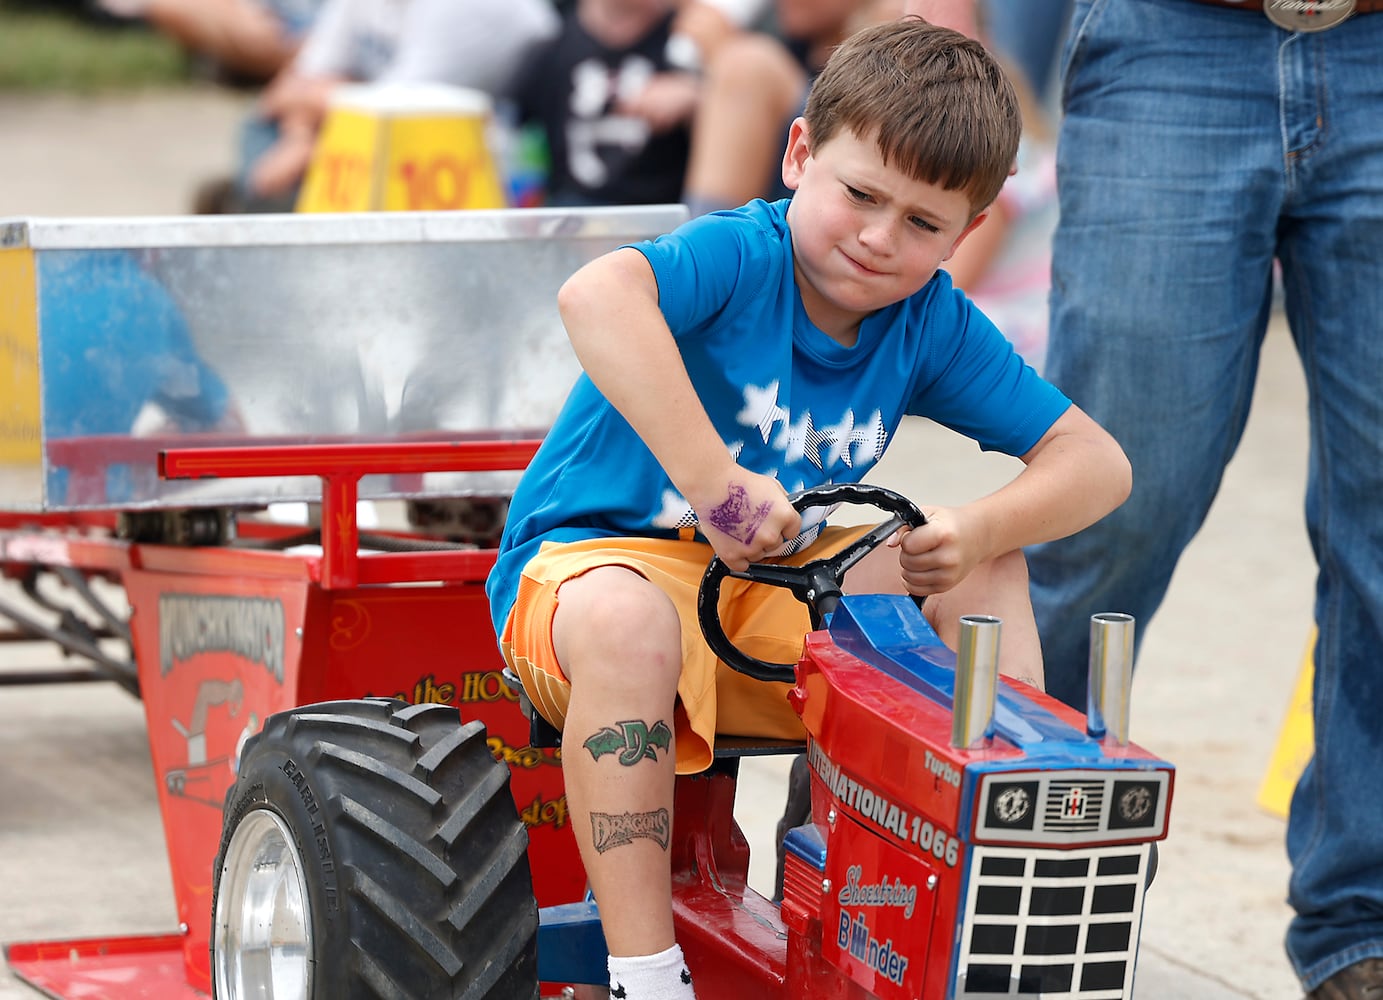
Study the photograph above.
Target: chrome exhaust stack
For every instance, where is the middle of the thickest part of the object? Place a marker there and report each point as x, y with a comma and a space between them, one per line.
977, 678
1111, 677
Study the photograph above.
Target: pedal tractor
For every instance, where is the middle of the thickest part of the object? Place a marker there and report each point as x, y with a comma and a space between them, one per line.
328, 845
969, 838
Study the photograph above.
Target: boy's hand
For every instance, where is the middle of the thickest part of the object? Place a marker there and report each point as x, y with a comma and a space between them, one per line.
748, 520
940, 554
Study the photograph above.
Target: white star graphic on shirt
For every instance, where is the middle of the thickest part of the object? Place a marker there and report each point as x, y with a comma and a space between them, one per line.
798, 440
845, 443
761, 409
676, 512
868, 439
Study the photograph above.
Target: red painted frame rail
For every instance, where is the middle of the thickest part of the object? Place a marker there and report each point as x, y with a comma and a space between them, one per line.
340, 467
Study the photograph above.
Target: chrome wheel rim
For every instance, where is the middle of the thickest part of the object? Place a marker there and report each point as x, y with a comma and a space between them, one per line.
262, 933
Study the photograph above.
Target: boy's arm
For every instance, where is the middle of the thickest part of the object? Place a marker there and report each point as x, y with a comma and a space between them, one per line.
1074, 475
610, 310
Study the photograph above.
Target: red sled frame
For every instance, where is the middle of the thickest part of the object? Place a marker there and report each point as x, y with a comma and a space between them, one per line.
226, 635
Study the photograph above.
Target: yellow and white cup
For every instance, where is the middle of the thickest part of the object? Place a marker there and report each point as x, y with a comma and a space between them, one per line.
403, 147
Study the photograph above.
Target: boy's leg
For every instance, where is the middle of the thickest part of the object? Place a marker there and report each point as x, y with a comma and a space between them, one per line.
618, 639
999, 588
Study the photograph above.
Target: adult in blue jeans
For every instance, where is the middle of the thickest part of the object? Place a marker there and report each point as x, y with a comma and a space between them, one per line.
1200, 142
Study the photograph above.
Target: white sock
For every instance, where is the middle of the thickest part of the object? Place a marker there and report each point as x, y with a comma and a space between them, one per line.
663, 976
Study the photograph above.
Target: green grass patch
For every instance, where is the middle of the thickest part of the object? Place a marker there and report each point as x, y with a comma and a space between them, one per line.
55, 49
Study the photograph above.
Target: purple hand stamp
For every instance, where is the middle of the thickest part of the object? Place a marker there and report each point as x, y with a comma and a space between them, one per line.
734, 517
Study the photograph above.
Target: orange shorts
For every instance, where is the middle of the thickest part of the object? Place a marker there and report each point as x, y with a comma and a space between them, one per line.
766, 622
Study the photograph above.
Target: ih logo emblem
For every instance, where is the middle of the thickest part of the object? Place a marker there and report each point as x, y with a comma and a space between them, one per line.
1073, 806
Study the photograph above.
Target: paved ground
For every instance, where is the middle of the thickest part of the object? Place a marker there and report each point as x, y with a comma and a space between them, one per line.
81, 848
113, 156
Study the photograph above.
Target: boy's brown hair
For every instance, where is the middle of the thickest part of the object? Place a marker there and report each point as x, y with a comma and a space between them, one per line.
938, 105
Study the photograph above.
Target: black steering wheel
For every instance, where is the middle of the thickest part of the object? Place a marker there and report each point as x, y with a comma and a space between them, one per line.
816, 584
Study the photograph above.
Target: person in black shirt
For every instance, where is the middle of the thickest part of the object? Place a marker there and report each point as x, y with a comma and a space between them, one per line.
615, 107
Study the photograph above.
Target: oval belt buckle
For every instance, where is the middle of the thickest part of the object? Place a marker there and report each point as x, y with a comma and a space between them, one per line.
1307, 15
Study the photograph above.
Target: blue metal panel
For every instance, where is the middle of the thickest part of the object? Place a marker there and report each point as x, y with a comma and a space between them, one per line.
806, 842
571, 945
889, 632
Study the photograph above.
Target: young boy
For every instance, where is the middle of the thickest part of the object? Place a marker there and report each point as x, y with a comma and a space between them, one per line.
746, 354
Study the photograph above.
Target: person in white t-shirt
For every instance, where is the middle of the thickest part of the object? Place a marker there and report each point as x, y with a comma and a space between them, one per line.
467, 43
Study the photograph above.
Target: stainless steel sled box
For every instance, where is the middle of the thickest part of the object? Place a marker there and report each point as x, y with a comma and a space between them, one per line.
121, 337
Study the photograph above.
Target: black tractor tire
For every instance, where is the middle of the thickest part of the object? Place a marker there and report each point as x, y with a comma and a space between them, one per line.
412, 860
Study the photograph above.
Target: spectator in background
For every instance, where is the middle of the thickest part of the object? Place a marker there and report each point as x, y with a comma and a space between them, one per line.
467, 43
352, 40
756, 84
1005, 265
245, 40
1028, 34
614, 98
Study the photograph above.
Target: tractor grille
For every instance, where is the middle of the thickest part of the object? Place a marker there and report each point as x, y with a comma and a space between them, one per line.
1072, 808
1060, 925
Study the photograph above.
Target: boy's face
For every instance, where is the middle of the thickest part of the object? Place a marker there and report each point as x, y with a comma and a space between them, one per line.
864, 235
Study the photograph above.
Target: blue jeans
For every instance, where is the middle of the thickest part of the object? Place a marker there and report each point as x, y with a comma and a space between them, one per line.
1198, 144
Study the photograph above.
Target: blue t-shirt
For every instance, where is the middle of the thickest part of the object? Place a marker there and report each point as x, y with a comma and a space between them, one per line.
787, 399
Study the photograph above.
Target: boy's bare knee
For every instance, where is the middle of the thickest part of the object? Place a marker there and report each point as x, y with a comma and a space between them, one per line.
997, 586
611, 618
1009, 570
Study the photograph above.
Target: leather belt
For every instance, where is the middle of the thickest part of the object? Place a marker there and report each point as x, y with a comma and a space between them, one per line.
1303, 15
